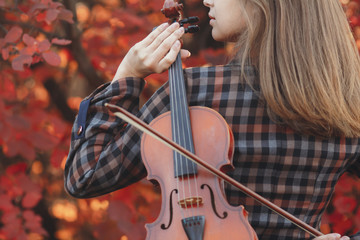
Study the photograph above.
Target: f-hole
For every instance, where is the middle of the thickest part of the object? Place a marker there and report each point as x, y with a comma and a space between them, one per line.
225, 214
163, 227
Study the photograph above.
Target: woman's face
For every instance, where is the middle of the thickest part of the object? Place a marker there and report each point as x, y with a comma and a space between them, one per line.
226, 19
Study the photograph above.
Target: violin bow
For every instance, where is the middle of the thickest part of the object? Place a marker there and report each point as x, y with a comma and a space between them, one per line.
142, 126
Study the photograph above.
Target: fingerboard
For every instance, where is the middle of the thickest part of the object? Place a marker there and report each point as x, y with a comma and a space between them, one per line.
180, 120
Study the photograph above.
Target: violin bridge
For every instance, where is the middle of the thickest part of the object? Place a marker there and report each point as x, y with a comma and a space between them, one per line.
191, 202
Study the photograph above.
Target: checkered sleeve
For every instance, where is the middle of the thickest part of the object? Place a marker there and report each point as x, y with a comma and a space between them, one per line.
104, 152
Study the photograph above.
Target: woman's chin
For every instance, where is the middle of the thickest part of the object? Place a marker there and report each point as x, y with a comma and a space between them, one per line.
217, 37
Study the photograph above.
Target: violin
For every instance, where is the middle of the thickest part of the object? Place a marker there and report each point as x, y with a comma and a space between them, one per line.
194, 205
193, 202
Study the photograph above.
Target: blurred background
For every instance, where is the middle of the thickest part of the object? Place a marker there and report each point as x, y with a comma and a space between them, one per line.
53, 54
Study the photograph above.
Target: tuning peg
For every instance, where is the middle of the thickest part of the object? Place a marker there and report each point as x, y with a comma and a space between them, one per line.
192, 29
189, 20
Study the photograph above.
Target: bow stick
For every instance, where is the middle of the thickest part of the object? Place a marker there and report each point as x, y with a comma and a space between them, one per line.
133, 120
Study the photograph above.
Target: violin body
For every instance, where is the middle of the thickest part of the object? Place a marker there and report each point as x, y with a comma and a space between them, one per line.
185, 199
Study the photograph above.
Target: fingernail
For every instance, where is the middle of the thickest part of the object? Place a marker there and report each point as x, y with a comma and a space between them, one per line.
164, 25
175, 25
181, 30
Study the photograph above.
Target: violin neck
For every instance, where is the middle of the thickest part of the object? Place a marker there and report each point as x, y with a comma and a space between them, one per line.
180, 120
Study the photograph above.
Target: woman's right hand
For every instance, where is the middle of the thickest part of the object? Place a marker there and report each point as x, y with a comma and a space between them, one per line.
154, 54
332, 236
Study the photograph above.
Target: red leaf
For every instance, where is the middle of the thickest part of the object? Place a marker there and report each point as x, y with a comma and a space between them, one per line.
11, 230
12, 148
25, 183
6, 184
51, 15
14, 230
47, 2
107, 229
59, 126
344, 204
55, 5
2, 42
57, 157
7, 91
13, 34
33, 222
357, 219
20, 147
345, 185
130, 18
30, 50
42, 140
342, 226
52, 58
118, 211
5, 203
18, 122
28, 40
11, 217
19, 62
36, 117
36, 7
28, 152
31, 199
44, 45
41, 17
5, 53
16, 168
155, 5
60, 41
66, 15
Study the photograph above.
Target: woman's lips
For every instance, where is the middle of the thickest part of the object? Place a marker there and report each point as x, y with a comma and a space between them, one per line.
212, 19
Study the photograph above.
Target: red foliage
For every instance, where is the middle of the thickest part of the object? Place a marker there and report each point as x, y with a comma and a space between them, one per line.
343, 215
18, 194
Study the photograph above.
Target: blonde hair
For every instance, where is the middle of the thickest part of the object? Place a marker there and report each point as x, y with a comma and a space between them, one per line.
308, 62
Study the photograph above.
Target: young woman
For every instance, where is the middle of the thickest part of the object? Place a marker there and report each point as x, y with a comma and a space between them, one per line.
291, 96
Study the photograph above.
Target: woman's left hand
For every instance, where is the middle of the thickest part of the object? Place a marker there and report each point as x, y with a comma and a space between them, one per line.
154, 54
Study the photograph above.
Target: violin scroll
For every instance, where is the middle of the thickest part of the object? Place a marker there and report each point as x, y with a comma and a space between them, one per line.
172, 9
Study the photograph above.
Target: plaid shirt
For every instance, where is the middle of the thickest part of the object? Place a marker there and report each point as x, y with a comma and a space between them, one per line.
296, 172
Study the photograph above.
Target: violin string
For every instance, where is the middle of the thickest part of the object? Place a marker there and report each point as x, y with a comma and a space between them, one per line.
181, 128
173, 123
191, 146
175, 130
187, 137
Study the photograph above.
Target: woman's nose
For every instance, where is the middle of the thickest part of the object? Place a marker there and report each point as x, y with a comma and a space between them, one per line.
208, 3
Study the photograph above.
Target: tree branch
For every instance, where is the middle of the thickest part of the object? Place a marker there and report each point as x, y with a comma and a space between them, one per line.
58, 98
77, 49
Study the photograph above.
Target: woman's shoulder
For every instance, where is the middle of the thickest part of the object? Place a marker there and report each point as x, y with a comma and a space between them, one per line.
228, 72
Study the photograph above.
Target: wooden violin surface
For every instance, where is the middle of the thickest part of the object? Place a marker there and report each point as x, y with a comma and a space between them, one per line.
198, 200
